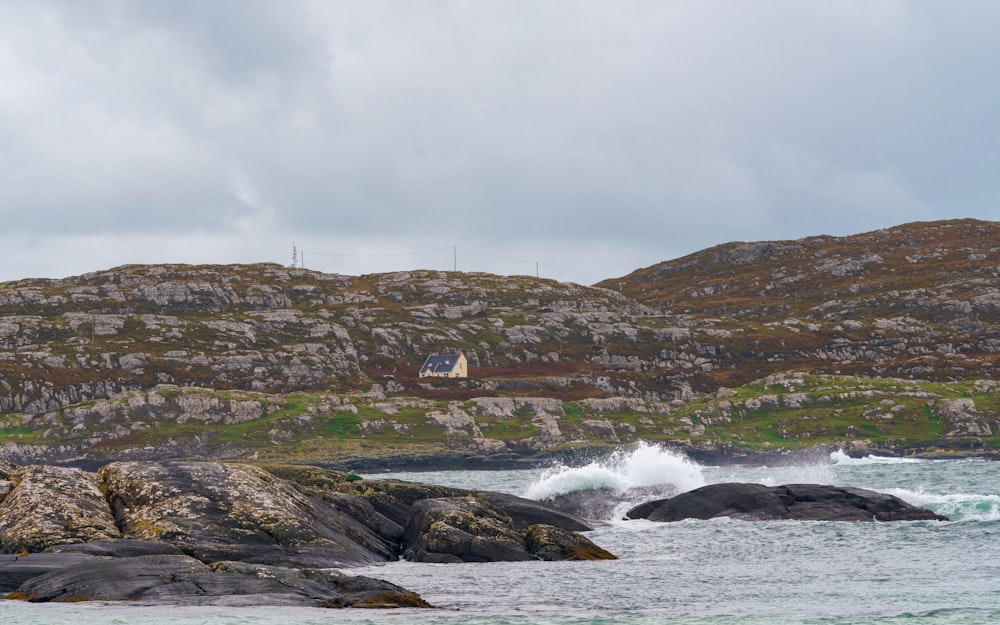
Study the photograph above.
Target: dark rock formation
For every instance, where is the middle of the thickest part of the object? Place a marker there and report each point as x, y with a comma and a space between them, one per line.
756, 502
551, 543
474, 529
462, 529
178, 578
218, 511
236, 534
394, 499
122, 548
445, 524
525, 512
16, 570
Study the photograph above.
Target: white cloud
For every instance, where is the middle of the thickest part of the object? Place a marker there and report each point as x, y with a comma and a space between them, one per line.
598, 135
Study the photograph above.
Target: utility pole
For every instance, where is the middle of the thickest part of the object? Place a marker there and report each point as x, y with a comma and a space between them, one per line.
455, 258
536, 269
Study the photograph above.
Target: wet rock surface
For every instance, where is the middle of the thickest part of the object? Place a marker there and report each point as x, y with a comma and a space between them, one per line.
807, 502
238, 534
552, 543
221, 511
179, 578
525, 512
462, 529
472, 529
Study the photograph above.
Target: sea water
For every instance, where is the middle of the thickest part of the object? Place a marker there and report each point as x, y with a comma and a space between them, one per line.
711, 572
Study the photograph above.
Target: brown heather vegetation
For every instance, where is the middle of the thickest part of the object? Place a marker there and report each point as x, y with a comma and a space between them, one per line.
918, 302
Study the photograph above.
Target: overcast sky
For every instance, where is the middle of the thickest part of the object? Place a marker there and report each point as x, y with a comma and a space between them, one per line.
592, 138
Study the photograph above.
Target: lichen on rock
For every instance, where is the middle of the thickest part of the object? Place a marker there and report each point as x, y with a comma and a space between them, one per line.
49, 506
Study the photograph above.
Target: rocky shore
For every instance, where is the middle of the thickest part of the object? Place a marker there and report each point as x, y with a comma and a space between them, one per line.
203, 533
238, 534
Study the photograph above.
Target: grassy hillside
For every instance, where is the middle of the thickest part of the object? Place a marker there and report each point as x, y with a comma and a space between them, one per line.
885, 339
783, 412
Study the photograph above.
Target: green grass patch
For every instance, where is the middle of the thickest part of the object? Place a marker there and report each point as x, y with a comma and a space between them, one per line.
170, 394
508, 430
572, 412
19, 434
342, 425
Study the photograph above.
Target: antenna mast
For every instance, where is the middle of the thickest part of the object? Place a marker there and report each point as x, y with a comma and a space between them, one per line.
295, 255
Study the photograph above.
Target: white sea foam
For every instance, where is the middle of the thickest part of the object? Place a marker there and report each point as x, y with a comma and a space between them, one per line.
644, 465
840, 458
956, 506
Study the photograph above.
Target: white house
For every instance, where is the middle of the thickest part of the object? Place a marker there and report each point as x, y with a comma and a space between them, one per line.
445, 366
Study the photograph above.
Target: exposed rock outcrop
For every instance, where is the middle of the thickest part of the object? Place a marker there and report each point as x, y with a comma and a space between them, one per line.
605, 503
6, 468
525, 512
219, 511
182, 579
471, 529
808, 502
462, 529
238, 534
394, 499
552, 543
50, 506
103, 366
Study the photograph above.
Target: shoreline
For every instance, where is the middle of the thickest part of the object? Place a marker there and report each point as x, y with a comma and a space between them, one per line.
404, 463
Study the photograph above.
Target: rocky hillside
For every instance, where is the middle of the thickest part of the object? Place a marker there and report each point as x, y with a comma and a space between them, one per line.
919, 301
232, 361
268, 328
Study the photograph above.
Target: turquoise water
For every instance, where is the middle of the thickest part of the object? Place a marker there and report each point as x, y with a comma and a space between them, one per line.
693, 572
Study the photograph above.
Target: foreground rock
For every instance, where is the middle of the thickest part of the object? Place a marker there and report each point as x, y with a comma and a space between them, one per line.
462, 529
552, 543
50, 506
237, 534
220, 511
526, 512
178, 578
469, 529
394, 499
806, 502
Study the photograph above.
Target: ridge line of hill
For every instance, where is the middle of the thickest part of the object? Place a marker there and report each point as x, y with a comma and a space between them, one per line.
294, 363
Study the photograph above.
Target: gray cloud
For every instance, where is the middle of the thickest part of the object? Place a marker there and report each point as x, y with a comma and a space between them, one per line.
593, 137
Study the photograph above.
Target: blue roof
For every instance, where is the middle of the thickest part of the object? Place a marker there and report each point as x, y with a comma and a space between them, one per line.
440, 364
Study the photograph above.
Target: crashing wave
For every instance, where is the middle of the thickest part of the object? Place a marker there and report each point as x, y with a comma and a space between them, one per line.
604, 489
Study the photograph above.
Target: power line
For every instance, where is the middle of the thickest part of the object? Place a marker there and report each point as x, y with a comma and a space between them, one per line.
529, 262
569, 275
443, 249
513, 260
454, 249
